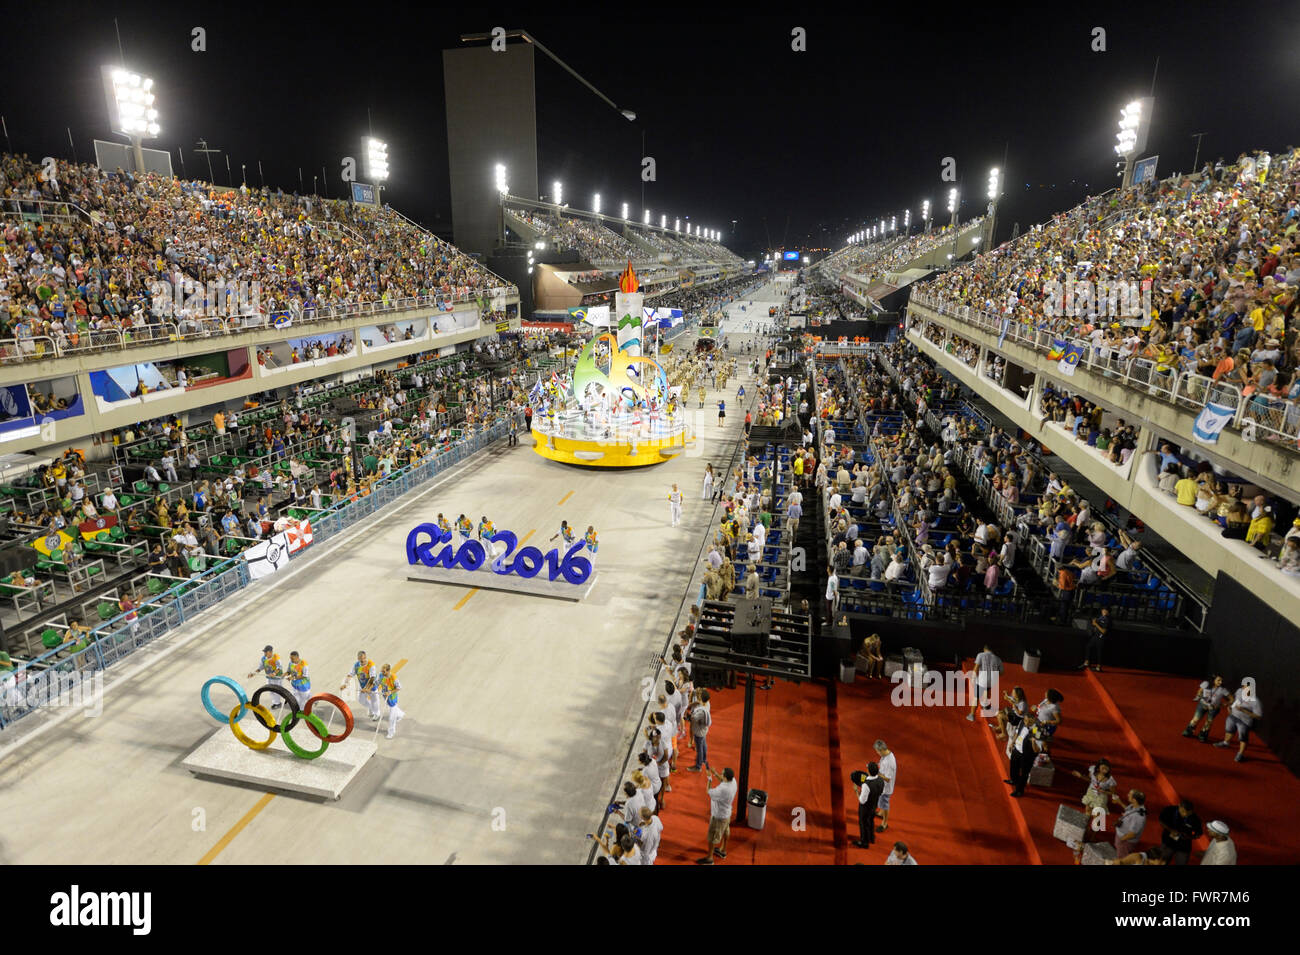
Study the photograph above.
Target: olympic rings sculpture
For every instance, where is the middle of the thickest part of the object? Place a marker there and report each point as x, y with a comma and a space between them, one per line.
471, 555
264, 716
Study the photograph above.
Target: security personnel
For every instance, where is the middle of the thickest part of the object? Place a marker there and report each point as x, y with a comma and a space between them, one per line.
388, 687
299, 678
269, 666
367, 682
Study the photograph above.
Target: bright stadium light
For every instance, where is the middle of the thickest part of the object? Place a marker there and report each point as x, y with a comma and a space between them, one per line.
595, 203
647, 217
557, 192
893, 223
994, 177
625, 212
995, 190
952, 199
907, 219
131, 109
925, 214
1134, 124
376, 159
663, 222
502, 187
677, 225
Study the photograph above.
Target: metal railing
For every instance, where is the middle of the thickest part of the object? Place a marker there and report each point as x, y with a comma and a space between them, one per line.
1276, 420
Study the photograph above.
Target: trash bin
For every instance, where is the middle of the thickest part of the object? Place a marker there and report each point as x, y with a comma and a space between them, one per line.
1031, 660
848, 670
756, 814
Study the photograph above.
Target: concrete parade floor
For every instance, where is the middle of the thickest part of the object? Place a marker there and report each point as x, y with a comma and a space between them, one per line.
519, 710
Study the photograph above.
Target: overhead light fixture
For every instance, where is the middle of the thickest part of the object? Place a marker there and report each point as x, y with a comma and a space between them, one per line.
502, 188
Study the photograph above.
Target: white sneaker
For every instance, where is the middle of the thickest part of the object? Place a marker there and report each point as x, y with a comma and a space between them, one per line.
391, 735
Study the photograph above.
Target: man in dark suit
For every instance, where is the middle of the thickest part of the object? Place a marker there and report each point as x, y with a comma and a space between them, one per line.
868, 787
1022, 756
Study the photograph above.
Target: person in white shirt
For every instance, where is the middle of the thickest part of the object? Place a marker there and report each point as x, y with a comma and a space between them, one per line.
832, 592
897, 564
652, 829
900, 855
722, 799
675, 505
859, 555
988, 669
939, 572
1242, 713
1222, 850
887, 765
760, 539
109, 501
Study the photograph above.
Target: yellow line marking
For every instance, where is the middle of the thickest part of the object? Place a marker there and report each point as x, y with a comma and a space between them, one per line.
464, 600
400, 663
531, 533
565, 498
236, 829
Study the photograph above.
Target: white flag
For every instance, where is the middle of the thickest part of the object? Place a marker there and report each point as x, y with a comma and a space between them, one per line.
268, 556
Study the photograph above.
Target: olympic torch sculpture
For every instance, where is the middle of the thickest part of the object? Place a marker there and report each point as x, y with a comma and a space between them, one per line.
616, 410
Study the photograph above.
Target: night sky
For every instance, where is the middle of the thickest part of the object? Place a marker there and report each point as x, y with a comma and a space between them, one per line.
799, 148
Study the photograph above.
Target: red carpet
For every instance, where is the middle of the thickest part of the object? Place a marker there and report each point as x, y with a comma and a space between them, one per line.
950, 805
1257, 798
790, 759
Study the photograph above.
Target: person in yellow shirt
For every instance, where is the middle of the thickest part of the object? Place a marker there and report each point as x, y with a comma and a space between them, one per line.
1186, 490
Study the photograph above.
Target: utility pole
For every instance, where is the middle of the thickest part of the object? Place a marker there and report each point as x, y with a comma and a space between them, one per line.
202, 147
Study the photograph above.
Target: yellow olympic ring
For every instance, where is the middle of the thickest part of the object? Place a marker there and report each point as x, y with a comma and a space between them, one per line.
266, 717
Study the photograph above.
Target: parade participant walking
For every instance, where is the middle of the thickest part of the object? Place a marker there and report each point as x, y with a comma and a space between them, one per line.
389, 685
675, 505
722, 413
591, 540
444, 526
367, 683
708, 483
270, 668
565, 531
299, 678
464, 527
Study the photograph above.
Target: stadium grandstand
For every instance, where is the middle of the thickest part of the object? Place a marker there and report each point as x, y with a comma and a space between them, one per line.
406, 515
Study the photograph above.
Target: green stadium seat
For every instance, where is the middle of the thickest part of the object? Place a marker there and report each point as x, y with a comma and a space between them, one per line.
106, 610
50, 638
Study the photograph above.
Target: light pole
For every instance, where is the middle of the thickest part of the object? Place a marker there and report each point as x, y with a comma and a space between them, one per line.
952, 207
377, 166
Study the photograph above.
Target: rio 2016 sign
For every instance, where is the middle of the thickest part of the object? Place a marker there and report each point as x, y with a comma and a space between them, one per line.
471, 555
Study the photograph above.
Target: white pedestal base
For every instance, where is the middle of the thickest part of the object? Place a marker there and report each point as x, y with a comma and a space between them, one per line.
224, 757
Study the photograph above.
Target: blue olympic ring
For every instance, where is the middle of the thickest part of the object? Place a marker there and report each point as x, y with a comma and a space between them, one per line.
206, 696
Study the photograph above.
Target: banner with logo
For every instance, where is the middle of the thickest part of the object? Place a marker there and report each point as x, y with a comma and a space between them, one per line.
1211, 421
266, 557
1057, 350
49, 543
97, 527
299, 535
1070, 359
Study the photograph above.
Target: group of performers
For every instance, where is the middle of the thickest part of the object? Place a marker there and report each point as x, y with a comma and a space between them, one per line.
374, 686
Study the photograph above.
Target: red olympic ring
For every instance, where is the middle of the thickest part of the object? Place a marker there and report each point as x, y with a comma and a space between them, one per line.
341, 707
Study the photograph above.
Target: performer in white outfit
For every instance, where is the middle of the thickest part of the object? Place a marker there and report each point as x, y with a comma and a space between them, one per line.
299, 679
675, 505
388, 686
708, 484
367, 683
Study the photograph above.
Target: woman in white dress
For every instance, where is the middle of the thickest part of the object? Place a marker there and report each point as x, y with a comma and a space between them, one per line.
708, 483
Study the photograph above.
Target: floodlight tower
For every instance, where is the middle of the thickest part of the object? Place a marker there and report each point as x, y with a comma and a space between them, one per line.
995, 190
377, 165
925, 214
1134, 125
131, 109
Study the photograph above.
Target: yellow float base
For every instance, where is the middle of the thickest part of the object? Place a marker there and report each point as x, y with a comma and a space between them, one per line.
611, 454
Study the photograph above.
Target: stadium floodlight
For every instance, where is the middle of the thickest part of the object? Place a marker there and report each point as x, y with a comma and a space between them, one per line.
502, 188
647, 217
893, 223
376, 159
1134, 124
595, 203
557, 192
131, 109
806, 260
952, 199
663, 222
907, 219
677, 225
628, 115
625, 212
994, 183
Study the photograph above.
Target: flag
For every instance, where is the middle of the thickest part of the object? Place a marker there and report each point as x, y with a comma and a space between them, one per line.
51, 542
283, 320
97, 527
1058, 349
1212, 419
266, 557
596, 316
299, 535
1070, 359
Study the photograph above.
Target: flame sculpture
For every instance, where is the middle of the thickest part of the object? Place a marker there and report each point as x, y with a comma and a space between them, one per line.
627, 282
